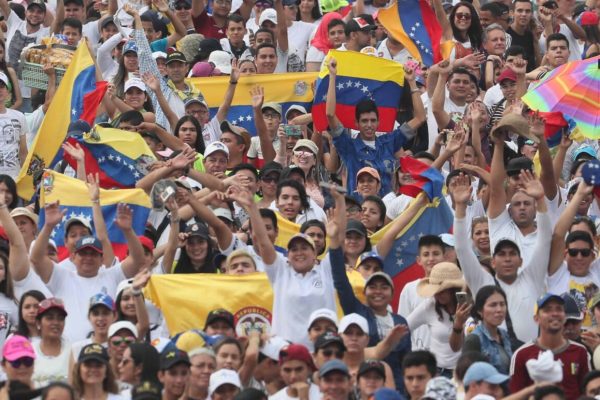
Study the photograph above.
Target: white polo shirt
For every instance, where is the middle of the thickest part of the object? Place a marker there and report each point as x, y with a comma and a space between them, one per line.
296, 296
503, 227
531, 279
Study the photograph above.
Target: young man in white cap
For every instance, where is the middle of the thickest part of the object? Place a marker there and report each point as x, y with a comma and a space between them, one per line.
321, 321
224, 384
14, 145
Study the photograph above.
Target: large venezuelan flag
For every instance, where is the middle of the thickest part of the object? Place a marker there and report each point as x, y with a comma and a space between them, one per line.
359, 77
120, 158
422, 178
74, 99
74, 198
414, 24
285, 89
401, 262
248, 297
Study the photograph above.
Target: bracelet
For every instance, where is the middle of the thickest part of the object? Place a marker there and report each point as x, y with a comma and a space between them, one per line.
455, 330
415, 91
96, 201
136, 292
233, 83
175, 220
489, 60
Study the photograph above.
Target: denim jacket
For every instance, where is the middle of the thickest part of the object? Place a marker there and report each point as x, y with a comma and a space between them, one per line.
491, 348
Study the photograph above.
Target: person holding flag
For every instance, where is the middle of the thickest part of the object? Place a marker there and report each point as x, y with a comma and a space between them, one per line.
368, 149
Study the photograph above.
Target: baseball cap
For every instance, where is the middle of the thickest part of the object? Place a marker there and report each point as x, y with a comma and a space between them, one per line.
268, 15
307, 143
272, 347
502, 243
171, 357
214, 147
176, 56
134, 82
25, 212
227, 126
4, 78
39, 3
197, 229
588, 18
586, 151
146, 391
273, 106
221, 60
223, 377
363, 22
544, 299
219, 314
572, 310
483, 371
107, 20
130, 45
93, 352
322, 313
353, 319
334, 365
296, 352
17, 346
269, 167
146, 242
381, 275
369, 255
204, 69
369, 171
328, 338
223, 212
49, 304
295, 107
88, 242
517, 164
356, 226
301, 236
448, 239
102, 299
158, 54
371, 365
386, 394
507, 74
207, 46
119, 325
78, 127
332, 5
190, 340
192, 100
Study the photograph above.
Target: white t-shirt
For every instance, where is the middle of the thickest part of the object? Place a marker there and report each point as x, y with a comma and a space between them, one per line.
254, 151
92, 31
397, 206
450, 107
314, 55
383, 52
298, 36
31, 282
34, 121
409, 301
492, 96
12, 129
75, 291
211, 132
313, 394
503, 227
48, 369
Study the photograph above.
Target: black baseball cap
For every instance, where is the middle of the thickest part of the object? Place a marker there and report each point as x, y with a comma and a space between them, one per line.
171, 357
363, 22
41, 4
356, 226
503, 243
176, 56
371, 365
269, 167
517, 164
93, 352
328, 338
197, 229
219, 314
146, 391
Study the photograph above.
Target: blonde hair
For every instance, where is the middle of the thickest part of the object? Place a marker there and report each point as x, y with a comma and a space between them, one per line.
236, 254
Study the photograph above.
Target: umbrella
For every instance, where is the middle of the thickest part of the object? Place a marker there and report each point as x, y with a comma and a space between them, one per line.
574, 90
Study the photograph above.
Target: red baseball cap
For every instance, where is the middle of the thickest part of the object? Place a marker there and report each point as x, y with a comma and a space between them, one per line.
507, 74
296, 352
146, 242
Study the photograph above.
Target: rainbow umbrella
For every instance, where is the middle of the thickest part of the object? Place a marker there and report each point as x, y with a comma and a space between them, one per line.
574, 90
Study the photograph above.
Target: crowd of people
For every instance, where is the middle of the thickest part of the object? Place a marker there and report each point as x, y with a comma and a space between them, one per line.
507, 302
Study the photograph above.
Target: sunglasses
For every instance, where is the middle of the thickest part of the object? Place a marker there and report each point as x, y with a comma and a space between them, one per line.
300, 153
583, 252
179, 7
329, 352
26, 361
269, 179
122, 340
464, 16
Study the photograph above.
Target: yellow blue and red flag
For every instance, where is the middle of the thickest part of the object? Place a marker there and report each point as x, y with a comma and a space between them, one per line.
77, 97
414, 24
75, 199
120, 158
359, 76
419, 177
401, 262
285, 89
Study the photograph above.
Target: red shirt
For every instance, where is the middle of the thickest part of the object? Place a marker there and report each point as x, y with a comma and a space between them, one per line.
574, 358
206, 25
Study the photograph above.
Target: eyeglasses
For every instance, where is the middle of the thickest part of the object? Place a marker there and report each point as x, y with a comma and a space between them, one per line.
270, 115
26, 361
122, 340
353, 209
464, 16
583, 252
179, 7
329, 352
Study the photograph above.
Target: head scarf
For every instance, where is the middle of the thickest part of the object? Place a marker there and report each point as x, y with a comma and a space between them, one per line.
321, 39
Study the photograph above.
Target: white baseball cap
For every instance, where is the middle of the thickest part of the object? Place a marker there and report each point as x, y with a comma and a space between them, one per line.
4, 78
117, 326
322, 313
273, 347
223, 377
221, 60
216, 146
353, 319
268, 15
135, 82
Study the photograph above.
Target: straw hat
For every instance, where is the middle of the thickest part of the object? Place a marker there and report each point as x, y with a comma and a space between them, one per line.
444, 275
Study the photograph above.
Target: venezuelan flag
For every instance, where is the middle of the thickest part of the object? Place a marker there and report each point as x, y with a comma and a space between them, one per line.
401, 262
77, 94
414, 24
360, 76
75, 199
424, 178
285, 89
120, 158
248, 297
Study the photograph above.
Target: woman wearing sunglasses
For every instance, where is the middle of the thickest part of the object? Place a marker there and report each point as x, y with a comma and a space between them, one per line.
53, 351
466, 29
18, 357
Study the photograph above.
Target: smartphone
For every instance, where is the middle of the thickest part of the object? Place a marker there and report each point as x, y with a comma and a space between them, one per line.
462, 298
166, 194
292, 130
551, 4
327, 185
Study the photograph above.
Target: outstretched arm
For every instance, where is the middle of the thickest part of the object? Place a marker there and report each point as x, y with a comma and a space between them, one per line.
497, 202
330, 104
93, 185
419, 115
135, 259
18, 258
266, 143
39, 253
234, 77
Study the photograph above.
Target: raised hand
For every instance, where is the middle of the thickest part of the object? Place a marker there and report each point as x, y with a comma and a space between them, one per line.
161, 5
536, 125
93, 184
234, 76
565, 141
124, 218
531, 185
74, 151
151, 81
183, 159
332, 66
409, 73
53, 214
462, 189
129, 9
444, 67
518, 66
240, 195
140, 280
257, 93
462, 314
